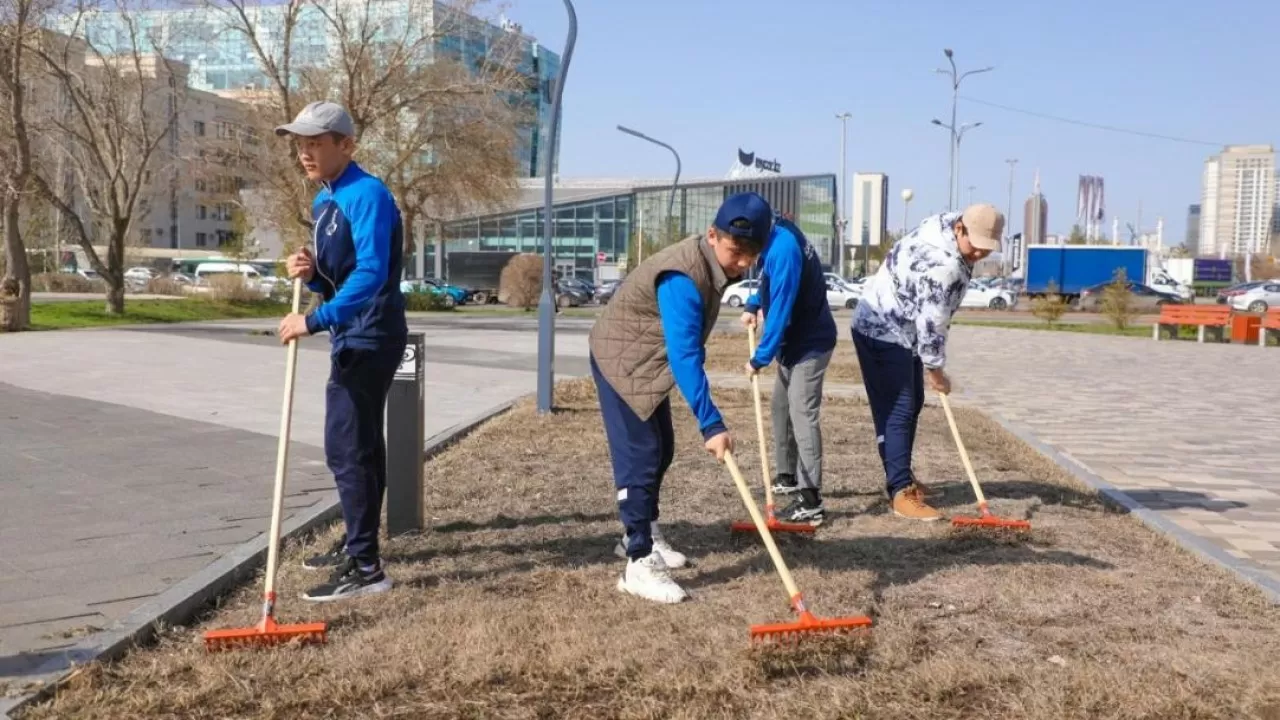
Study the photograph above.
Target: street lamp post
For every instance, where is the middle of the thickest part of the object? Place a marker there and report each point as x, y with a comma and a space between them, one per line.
1008, 220
547, 301
671, 202
956, 78
907, 194
842, 215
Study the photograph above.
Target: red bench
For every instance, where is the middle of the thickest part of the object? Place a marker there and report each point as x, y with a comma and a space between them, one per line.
1214, 317
1270, 321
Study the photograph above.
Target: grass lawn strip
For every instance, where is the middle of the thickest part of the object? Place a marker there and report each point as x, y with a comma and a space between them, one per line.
92, 313
507, 607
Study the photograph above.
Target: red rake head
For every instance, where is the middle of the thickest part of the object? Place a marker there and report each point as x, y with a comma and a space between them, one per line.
266, 634
747, 526
990, 521
808, 626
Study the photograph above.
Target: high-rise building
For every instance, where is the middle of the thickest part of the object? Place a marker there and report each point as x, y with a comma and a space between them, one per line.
1238, 199
1035, 224
223, 60
1191, 242
870, 221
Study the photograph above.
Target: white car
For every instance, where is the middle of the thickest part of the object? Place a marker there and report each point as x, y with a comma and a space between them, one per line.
736, 294
842, 294
1259, 298
142, 274
980, 296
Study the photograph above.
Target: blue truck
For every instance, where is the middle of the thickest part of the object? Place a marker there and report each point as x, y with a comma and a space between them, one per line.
1072, 268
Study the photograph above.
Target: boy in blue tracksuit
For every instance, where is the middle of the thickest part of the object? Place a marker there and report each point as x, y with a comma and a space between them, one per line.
355, 265
650, 340
800, 333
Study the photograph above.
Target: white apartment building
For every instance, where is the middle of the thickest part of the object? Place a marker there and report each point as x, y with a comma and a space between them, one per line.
870, 209
1238, 198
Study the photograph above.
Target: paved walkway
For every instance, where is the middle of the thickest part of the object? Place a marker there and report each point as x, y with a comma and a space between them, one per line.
1190, 431
132, 459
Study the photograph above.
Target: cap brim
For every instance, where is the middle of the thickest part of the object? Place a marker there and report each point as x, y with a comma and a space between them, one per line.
303, 129
984, 243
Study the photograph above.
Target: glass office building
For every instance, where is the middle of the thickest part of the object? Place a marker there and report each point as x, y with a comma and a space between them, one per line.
223, 60
594, 229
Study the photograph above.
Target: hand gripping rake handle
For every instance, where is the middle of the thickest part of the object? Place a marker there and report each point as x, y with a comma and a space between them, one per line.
282, 464
793, 593
764, 452
964, 454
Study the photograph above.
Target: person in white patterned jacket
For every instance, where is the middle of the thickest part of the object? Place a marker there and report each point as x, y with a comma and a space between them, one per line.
900, 334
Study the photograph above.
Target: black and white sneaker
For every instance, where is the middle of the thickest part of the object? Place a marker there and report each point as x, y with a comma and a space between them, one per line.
350, 581
806, 509
785, 485
335, 558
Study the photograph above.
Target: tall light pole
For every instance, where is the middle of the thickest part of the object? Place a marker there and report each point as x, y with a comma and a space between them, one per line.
956, 78
1006, 265
842, 215
907, 194
960, 136
971, 189
671, 202
547, 301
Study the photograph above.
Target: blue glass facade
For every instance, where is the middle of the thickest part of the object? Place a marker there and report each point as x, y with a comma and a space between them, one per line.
223, 59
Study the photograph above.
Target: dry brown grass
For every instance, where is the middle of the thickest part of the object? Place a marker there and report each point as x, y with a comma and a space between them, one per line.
727, 353
507, 607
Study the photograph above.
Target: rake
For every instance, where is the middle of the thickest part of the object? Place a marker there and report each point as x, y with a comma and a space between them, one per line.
807, 624
268, 632
985, 518
772, 522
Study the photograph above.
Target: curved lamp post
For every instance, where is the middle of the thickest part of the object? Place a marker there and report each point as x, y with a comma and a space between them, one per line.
671, 202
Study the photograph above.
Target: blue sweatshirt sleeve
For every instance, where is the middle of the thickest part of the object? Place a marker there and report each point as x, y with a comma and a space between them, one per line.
680, 307
372, 218
783, 264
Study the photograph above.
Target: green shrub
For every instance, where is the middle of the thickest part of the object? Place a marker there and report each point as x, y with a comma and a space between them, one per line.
1049, 306
427, 301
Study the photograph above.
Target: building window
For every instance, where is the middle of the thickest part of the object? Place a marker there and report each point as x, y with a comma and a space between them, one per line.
202, 212
202, 239
200, 185
199, 128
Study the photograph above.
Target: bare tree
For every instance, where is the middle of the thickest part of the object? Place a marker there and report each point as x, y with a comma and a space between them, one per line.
441, 135
19, 21
118, 108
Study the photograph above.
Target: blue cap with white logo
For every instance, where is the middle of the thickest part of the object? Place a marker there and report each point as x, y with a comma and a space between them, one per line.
746, 215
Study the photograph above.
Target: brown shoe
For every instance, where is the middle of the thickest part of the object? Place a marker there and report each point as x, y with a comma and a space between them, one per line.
925, 490
909, 503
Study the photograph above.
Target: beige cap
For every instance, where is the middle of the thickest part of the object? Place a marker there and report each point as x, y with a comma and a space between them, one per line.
985, 225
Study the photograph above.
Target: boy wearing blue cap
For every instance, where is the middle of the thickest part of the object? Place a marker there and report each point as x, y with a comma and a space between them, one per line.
800, 334
650, 339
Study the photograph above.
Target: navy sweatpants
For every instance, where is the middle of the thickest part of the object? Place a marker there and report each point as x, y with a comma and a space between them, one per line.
641, 452
354, 442
894, 379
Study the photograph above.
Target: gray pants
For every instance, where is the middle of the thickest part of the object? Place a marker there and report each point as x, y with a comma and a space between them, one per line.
797, 429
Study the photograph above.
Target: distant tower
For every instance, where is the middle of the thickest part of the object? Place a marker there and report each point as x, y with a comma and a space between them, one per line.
1035, 224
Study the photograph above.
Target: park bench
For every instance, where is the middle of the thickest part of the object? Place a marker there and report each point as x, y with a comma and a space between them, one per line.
1215, 318
1270, 321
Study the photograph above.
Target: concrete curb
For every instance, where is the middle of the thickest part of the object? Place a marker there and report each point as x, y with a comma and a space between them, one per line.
183, 601
1154, 520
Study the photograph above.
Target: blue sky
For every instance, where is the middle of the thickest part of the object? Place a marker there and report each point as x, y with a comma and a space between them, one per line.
709, 76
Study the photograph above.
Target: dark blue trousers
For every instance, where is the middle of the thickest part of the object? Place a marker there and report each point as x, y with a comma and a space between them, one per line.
641, 452
894, 379
354, 442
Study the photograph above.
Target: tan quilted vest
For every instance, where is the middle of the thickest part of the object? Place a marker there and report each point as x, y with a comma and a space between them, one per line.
627, 340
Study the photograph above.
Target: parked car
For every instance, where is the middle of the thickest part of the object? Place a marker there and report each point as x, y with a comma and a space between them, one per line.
736, 294
141, 274
571, 294
841, 294
580, 286
604, 292
1145, 297
1260, 298
986, 295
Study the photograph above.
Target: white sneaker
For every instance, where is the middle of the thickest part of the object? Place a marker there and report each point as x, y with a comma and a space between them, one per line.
650, 579
673, 558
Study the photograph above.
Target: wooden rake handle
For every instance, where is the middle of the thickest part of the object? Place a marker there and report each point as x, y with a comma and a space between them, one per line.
282, 456
964, 454
793, 593
764, 451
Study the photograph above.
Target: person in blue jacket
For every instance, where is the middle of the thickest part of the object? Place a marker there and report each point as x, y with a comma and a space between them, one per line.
355, 265
650, 341
799, 332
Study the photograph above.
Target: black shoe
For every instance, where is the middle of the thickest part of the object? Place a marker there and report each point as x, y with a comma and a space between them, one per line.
336, 557
785, 485
806, 509
350, 582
